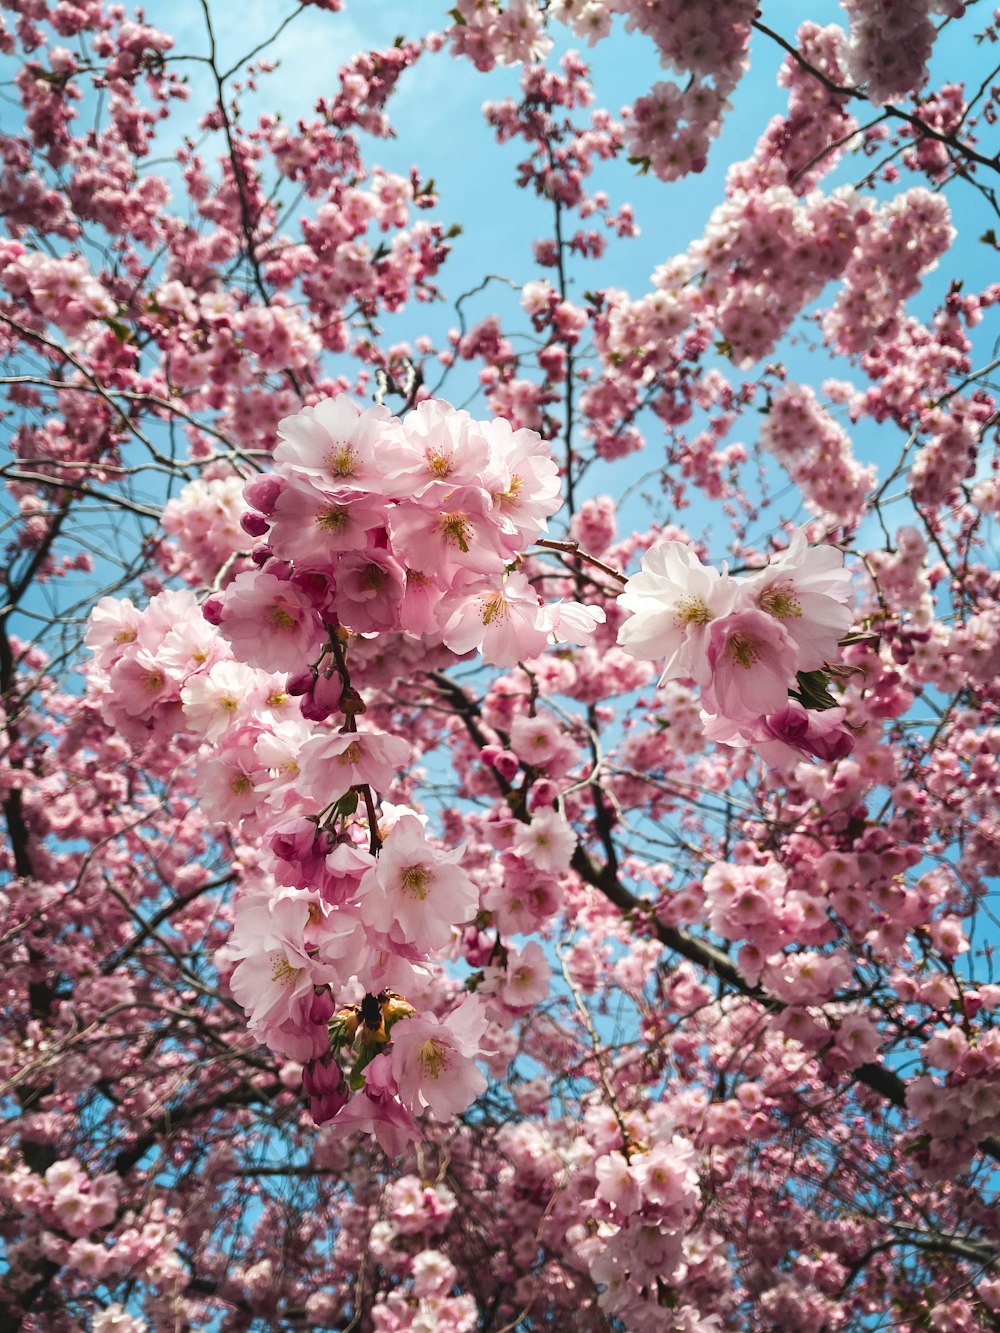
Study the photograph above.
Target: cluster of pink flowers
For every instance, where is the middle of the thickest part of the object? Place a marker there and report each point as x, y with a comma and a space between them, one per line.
745, 640
891, 43
710, 40
953, 1115
904, 239
62, 289
490, 33
645, 1201
204, 521
380, 525
798, 148
817, 454
670, 129
766, 254
372, 525
672, 126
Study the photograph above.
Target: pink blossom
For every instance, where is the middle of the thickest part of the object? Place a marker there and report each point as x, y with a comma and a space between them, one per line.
345, 448
547, 842
433, 1060
526, 977
417, 892
277, 973
809, 591
330, 765
753, 662
674, 600
270, 623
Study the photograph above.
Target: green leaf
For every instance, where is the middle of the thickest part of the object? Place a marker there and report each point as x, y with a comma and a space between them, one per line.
121, 331
814, 690
347, 805
356, 1078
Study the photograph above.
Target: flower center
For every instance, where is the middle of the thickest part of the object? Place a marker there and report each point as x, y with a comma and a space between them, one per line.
282, 971
333, 519
415, 881
433, 1057
352, 755
280, 618
780, 601
743, 650
342, 460
439, 464
456, 528
691, 611
495, 608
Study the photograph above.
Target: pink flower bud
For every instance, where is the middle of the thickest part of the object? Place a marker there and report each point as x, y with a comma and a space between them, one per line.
262, 493
542, 794
300, 683
255, 525
506, 764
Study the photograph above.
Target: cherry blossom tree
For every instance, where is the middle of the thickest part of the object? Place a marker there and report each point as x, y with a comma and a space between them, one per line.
499, 780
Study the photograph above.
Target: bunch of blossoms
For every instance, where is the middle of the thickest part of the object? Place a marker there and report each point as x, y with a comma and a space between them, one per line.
891, 43
490, 33
672, 127
373, 526
903, 240
204, 520
635, 1177
766, 254
318, 915
756, 645
385, 526
800, 147
816, 452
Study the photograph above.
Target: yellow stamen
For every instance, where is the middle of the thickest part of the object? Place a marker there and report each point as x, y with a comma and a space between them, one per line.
692, 611
456, 528
342, 460
283, 973
743, 650
280, 618
434, 1057
415, 881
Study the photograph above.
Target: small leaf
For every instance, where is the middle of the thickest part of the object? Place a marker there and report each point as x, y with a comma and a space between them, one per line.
121, 331
814, 690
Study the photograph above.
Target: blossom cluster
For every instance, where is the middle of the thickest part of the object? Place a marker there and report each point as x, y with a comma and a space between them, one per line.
747, 641
373, 525
891, 43
385, 526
